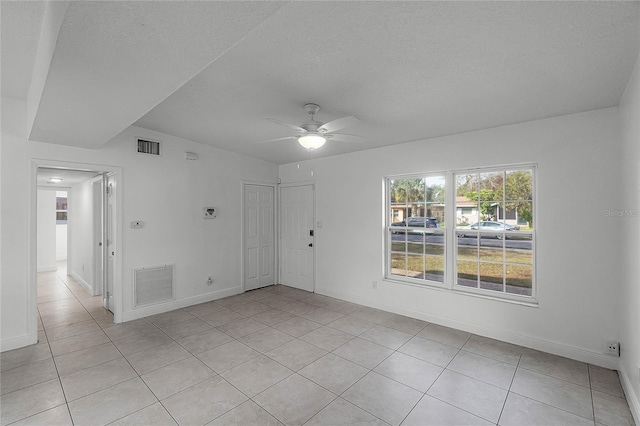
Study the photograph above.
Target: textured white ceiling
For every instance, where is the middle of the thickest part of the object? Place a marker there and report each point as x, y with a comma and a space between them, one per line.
213, 71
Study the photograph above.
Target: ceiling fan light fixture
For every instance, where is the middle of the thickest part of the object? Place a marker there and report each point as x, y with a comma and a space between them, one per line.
311, 142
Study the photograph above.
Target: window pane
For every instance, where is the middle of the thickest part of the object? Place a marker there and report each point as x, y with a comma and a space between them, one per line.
491, 186
415, 248
467, 246
519, 249
519, 279
523, 214
434, 189
434, 249
415, 266
519, 185
398, 240
491, 248
434, 270
399, 264
61, 203
467, 273
491, 276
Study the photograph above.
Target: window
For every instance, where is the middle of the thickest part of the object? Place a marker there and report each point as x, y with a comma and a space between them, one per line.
61, 207
494, 249
487, 219
415, 228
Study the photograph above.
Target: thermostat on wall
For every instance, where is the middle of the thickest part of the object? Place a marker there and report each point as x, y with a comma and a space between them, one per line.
209, 212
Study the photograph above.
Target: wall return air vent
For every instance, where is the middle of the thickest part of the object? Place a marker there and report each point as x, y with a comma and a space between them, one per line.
146, 146
153, 285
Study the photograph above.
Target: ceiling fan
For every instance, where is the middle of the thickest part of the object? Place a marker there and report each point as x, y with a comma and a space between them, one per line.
312, 134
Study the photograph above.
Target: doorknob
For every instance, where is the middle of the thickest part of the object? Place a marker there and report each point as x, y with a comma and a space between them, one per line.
310, 244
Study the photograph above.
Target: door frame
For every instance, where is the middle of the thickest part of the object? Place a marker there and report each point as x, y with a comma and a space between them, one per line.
313, 208
32, 274
276, 231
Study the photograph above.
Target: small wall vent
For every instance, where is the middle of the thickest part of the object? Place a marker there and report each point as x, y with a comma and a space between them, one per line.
148, 147
153, 285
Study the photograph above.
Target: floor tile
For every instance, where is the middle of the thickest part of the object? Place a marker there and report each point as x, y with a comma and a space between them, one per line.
23, 356
386, 337
251, 308
277, 301
29, 401
334, 373
120, 331
203, 402
241, 327
297, 326
500, 351
405, 324
204, 340
558, 393
520, 410
297, 307
430, 351
445, 335
266, 339
296, 354
351, 325
383, 397
171, 317
272, 316
185, 328
64, 331
155, 415
28, 375
85, 358
605, 380
363, 352
93, 379
433, 412
322, 316
76, 343
178, 376
256, 375
476, 397
373, 315
157, 357
111, 404
309, 400
56, 320
343, 413
216, 319
227, 356
555, 366
204, 309
611, 410
317, 299
409, 371
140, 342
235, 300
326, 338
484, 369
52, 417
248, 413
341, 306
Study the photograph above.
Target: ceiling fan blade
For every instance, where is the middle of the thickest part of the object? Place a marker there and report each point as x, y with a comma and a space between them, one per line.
343, 137
287, 138
338, 124
285, 124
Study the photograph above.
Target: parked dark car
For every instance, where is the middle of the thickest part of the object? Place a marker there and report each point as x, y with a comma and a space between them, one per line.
418, 222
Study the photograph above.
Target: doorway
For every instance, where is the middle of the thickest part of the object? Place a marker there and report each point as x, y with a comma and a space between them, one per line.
258, 231
93, 262
297, 231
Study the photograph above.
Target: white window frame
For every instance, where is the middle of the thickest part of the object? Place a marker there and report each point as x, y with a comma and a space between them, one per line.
451, 240
388, 239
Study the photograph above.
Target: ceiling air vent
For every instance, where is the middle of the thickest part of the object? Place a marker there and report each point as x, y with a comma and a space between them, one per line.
148, 147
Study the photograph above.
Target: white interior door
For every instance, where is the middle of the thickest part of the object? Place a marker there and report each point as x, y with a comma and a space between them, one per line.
110, 246
259, 240
297, 241
98, 237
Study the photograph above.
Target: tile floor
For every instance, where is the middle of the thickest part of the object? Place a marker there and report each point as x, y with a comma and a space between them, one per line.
279, 355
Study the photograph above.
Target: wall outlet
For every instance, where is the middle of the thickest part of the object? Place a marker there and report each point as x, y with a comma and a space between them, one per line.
209, 281
374, 284
611, 347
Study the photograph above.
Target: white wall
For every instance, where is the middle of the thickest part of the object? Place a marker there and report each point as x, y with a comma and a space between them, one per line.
47, 230
630, 248
80, 199
167, 193
61, 242
578, 267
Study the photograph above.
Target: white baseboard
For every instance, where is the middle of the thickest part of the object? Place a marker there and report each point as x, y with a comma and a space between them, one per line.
178, 304
47, 268
532, 342
631, 395
88, 287
18, 342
